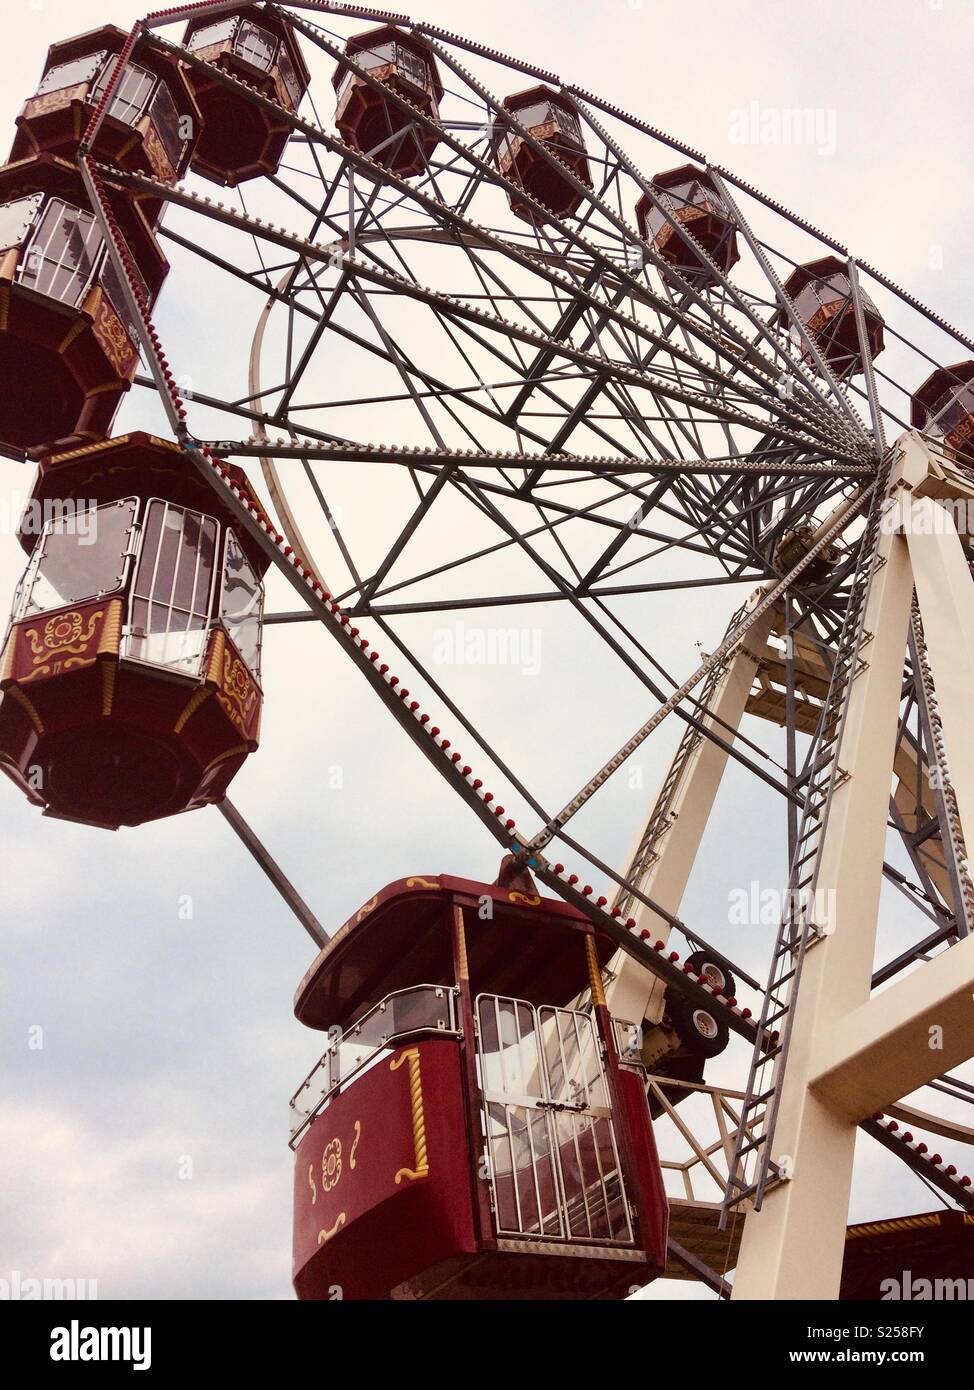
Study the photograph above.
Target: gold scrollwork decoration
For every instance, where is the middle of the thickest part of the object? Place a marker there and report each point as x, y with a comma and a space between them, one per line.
311, 1183
516, 897
422, 883
64, 633
331, 1164
324, 1236
364, 911
238, 694
355, 1143
421, 1166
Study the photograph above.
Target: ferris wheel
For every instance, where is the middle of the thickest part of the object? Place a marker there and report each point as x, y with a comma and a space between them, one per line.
477, 342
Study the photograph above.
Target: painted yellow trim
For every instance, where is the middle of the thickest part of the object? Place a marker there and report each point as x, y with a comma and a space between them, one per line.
111, 632
594, 973
214, 669
230, 753
28, 708
75, 331
421, 1160
91, 448
903, 1223
324, 1236
461, 942
109, 670
198, 697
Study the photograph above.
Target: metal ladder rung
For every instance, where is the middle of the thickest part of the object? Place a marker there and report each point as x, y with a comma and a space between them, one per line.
805, 858
772, 1019
751, 1146
782, 980
744, 1193
772, 1180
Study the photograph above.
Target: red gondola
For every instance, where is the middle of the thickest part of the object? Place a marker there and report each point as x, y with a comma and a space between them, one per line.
150, 125
68, 344
822, 295
467, 1133
130, 671
691, 198
944, 408
240, 140
924, 1257
368, 119
552, 119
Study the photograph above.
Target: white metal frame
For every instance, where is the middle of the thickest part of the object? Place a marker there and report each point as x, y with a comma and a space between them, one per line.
129, 637
546, 1112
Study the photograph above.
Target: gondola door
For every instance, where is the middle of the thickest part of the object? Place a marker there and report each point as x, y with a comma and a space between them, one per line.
554, 1165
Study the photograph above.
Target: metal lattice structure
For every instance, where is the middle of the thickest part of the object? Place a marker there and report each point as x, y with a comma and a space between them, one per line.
560, 413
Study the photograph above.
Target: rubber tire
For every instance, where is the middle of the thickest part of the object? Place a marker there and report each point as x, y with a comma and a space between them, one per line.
682, 1011
699, 961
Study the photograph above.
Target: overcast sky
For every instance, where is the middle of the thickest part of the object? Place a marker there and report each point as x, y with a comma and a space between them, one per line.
167, 1038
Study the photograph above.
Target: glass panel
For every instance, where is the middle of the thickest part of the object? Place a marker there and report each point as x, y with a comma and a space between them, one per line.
256, 45
538, 113
518, 1128
79, 556
567, 123
212, 33
131, 94
655, 217
112, 286
412, 66
62, 252
502, 140
172, 593
70, 74
523, 1170
867, 303
16, 219
839, 283
422, 1009
810, 299
682, 195
554, 1163
376, 57
165, 118
289, 77
952, 410
594, 1208
573, 1059
585, 1142
242, 604
628, 1040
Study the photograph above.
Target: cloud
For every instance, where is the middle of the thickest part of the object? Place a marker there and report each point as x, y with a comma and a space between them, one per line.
108, 1204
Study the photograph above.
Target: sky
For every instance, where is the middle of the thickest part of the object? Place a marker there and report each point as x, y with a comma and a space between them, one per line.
145, 1124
